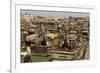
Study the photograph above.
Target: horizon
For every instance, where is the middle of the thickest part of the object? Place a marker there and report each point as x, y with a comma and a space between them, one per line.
54, 13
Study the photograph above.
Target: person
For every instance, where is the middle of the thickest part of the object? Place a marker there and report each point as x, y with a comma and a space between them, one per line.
65, 44
27, 57
43, 39
28, 50
43, 42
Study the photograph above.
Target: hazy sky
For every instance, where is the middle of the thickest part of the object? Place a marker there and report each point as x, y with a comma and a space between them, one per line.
54, 13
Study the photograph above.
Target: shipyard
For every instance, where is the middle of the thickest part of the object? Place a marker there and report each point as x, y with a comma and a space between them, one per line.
48, 39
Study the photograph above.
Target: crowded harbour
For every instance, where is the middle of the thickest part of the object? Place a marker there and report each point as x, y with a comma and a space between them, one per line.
54, 38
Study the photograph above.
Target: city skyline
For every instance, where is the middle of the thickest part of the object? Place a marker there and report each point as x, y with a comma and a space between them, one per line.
54, 13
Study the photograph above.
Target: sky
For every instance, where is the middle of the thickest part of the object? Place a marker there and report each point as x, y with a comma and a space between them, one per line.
53, 13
